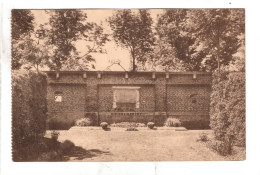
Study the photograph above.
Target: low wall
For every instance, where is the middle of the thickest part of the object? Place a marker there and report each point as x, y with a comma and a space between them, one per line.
113, 117
193, 121
188, 120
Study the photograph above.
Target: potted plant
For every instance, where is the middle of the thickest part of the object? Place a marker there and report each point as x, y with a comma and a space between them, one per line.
104, 125
150, 125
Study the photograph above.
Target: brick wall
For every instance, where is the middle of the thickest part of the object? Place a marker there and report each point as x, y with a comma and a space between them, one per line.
161, 97
72, 105
188, 98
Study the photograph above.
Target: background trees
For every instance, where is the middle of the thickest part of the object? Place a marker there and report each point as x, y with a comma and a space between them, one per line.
178, 40
22, 25
66, 28
53, 45
134, 31
204, 39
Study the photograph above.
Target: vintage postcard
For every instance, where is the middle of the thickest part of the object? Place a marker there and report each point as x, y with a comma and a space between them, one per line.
128, 85
155, 87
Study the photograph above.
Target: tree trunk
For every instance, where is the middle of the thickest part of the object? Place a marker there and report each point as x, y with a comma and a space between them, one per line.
133, 59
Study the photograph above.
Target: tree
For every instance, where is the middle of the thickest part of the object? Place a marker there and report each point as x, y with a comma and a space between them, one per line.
22, 26
164, 58
67, 27
217, 31
133, 31
31, 53
238, 62
22, 23
182, 44
203, 39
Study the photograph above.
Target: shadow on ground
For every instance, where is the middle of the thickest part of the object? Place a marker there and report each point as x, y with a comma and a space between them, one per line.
79, 153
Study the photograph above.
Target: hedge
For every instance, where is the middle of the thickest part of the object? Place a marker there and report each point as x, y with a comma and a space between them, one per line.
227, 112
29, 107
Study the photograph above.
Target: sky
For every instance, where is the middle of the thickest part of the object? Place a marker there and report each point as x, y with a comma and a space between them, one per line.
114, 52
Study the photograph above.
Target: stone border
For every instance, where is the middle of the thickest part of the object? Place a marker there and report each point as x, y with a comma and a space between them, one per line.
88, 128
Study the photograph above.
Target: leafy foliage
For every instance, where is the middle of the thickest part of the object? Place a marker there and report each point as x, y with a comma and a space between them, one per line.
171, 29
128, 124
29, 107
104, 125
150, 125
55, 135
66, 28
223, 148
202, 38
30, 53
133, 31
172, 122
131, 129
22, 26
203, 137
22, 23
83, 122
227, 111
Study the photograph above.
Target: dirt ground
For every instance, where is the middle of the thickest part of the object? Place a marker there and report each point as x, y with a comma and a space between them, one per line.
143, 145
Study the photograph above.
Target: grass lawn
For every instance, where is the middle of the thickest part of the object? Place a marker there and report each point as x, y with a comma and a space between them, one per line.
144, 145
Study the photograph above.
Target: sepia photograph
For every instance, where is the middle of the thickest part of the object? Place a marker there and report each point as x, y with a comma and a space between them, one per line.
128, 85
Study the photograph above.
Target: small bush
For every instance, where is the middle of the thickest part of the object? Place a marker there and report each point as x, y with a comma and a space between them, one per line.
131, 129
104, 125
203, 137
140, 125
55, 135
83, 122
150, 125
92, 117
66, 146
223, 148
172, 122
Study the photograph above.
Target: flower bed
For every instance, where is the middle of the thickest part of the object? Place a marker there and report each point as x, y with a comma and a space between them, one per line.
128, 124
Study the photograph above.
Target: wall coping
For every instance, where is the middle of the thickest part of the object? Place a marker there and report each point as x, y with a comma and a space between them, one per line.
129, 72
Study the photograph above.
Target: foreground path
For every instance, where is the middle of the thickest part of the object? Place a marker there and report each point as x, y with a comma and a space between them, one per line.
144, 145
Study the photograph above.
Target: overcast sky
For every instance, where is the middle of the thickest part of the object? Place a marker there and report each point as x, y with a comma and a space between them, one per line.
113, 51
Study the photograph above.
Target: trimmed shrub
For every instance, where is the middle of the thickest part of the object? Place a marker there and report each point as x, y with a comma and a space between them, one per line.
203, 137
227, 112
150, 125
29, 107
104, 125
172, 122
83, 122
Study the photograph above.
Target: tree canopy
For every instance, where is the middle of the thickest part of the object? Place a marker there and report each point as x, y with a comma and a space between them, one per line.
203, 38
22, 25
68, 27
133, 30
178, 40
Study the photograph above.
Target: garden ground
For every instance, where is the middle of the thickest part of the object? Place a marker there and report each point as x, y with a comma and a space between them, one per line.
143, 145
